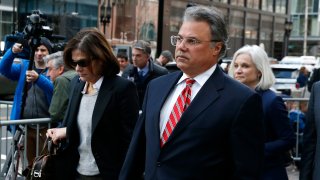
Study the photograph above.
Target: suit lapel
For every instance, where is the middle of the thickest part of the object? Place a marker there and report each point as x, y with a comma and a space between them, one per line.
207, 95
105, 93
75, 101
162, 90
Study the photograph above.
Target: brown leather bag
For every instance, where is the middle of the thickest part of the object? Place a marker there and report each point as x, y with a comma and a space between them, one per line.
44, 166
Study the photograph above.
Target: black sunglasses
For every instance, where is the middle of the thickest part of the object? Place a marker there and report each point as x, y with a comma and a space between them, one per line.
81, 63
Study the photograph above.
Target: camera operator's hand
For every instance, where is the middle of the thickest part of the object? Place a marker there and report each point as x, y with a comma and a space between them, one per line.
32, 76
17, 48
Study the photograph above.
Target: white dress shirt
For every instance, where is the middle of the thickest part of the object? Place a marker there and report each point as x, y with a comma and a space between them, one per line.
173, 96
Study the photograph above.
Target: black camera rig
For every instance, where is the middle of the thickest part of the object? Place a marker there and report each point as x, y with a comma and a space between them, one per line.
36, 27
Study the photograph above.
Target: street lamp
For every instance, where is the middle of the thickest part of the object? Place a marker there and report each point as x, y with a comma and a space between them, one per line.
287, 30
105, 15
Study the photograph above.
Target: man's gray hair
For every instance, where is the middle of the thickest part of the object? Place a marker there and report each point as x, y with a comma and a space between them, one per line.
56, 58
215, 20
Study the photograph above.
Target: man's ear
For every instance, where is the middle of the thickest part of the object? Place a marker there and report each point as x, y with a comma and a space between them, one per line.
217, 48
61, 70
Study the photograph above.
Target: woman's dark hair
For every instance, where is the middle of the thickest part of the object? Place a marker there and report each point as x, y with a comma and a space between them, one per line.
94, 45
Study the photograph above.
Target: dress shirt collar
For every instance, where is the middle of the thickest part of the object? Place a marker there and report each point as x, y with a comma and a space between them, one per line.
201, 78
96, 86
144, 69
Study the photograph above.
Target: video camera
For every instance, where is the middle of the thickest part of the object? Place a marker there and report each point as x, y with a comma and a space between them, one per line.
36, 27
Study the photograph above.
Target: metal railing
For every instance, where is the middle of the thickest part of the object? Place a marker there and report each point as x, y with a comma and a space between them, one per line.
16, 154
5, 109
299, 107
13, 152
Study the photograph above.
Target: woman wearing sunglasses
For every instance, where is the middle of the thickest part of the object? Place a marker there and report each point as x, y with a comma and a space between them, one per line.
101, 114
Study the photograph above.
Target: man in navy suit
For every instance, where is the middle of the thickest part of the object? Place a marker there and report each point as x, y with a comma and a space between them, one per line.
143, 69
310, 157
219, 135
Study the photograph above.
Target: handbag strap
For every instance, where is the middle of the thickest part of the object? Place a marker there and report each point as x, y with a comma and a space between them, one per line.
48, 144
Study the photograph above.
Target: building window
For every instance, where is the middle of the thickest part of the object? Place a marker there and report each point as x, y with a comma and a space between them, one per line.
296, 21
222, 1
253, 4
298, 6
237, 2
265, 33
7, 16
267, 5
279, 29
281, 6
176, 13
252, 26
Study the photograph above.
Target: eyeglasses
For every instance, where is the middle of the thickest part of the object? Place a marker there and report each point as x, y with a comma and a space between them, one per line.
81, 63
189, 41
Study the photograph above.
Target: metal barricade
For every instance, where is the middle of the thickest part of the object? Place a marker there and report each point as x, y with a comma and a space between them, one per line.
297, 107
13, 155
6, 137
5, 109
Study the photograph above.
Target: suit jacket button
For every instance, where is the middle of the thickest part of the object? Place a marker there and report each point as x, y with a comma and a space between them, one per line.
158, 164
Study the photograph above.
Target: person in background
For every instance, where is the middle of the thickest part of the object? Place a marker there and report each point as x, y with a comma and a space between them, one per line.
143, 69
61, 76
123, 62
298, 113
315, 76
101, 114
310, 157
164, 58
250, 66
302, 78
39, 90
198, 123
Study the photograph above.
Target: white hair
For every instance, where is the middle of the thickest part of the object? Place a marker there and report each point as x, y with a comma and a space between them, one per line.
260, 59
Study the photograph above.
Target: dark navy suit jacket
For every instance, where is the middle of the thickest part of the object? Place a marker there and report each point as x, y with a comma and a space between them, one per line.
131, 73
279, 135
219, 136
310, 158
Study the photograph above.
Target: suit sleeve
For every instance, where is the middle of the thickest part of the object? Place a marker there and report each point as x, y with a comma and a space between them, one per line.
133, 166
309, 139
129, 103
247, 140
277, 115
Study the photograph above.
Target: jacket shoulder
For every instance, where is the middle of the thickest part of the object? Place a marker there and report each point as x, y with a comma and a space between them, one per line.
159, 69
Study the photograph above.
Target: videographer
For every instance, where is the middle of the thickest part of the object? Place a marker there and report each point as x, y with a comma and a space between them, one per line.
39, 89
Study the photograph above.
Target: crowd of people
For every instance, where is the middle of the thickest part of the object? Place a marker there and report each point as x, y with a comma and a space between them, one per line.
117, 119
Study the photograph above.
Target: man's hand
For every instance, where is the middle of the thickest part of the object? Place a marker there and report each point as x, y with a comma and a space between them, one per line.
32, 76
17, 48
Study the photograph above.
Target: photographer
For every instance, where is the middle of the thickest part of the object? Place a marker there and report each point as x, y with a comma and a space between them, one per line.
39, 89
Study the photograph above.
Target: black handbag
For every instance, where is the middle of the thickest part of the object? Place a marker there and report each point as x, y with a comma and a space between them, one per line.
44, 166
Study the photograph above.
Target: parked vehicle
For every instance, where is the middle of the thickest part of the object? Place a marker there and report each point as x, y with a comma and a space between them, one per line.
123, 49
286, 79
300, 60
